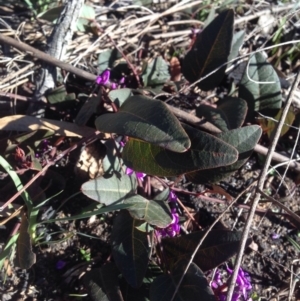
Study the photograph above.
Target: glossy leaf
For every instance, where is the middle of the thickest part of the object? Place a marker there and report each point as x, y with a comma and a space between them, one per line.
119, 96
130, 248
229, 114
210, 50
206, 152
193, 287
25, 257
102, 284
111, 190
217, 247
244, 140
147, 119
156, 73
260, 85
156, 213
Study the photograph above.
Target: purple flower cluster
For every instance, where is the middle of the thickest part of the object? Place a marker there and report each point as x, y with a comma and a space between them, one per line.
139, 175
243, 286
104, 80
174, 228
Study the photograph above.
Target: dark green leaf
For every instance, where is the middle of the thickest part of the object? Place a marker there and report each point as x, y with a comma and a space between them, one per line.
51, 14
87, 110
25, 257
107, 58
130, 248
120, 95
147, 119
102, 284
237, 42
210, 50
244, 140
217, 247
156, 73
230, 113
59, 94
206, 152
262, 90
194, 286
112, 162
111, 190
142, 293
156, 213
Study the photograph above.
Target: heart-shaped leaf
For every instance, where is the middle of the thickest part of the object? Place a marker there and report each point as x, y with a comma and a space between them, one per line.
146, 119
210, 50
130, 248
111, 190
260, 85
102, 284
218, 246
230, 113
193, 287
156, 213
206, 152
244, 140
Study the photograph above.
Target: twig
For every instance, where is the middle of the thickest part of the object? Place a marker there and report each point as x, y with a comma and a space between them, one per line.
260, 186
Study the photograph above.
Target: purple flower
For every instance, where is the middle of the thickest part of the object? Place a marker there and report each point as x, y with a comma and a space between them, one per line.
275, 236
243, 285
174, 228
60, 264
139, 175
104, 80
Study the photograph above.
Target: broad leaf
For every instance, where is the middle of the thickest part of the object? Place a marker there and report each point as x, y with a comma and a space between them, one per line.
87, 110
156, 73
193, 287
237, 42
111, 190
119, 96
260, 85
147, 119
87, 15
142, 293
107, 58
206, 152
210, 50
156, 213
25, 257
217, 247
130, 248
244, 140
102, 284
112, 162
229, 114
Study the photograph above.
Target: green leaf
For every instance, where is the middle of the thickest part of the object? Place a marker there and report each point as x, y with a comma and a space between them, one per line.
59, 95
102, 284
193, 287
87, 110
87, 15
218, 247
51, 14
142, 293
120, 95
244, 140
112, 162
237, 42
206, 152
156, 73
156, 213
210, 50
262, 90
229, 114
111, 190
25, 257
130, 248
8, 249
147, 119
107, 58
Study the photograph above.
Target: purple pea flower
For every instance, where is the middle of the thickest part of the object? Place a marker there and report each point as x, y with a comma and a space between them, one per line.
174, 228
139, 175
104, 80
